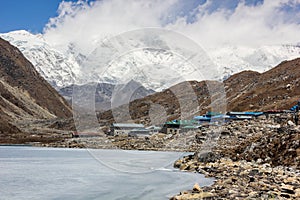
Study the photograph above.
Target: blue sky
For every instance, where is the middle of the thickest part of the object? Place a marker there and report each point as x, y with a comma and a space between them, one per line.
186, 7
33, 15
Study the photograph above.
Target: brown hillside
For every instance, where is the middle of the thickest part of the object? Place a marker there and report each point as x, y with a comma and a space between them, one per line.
278, 88
24, 97
21, 77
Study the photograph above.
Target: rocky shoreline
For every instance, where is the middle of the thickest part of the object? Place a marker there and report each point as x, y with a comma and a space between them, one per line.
241, 180
256, 160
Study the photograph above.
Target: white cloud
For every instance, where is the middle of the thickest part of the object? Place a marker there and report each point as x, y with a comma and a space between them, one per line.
269, 22
246, 25
83, 23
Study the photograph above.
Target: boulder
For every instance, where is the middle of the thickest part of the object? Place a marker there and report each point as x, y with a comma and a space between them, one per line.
207, 157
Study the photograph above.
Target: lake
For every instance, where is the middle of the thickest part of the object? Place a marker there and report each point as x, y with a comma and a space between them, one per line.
56, 173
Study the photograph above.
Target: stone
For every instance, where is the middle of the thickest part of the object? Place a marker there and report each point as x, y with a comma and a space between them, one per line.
253, 172
290, 180
178, 163
207, 157
197, 188
184, 166
194, 196
290, 123
202, 195
285, 195
251, 179
288, 189
297, 192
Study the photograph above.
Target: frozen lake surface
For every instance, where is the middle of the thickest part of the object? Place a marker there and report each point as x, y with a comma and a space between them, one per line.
52, 173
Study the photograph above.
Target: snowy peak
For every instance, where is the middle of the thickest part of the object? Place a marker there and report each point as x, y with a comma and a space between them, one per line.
58, 69
24, 38
160, 68
232, 60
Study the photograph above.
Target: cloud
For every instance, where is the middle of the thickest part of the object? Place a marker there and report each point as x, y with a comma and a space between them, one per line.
210, 23
253, 25
85, 23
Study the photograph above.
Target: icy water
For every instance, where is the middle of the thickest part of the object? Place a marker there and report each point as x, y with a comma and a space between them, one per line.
52, 173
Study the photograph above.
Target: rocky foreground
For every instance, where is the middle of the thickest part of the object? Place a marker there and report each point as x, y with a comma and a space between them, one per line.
242, 180
257, 159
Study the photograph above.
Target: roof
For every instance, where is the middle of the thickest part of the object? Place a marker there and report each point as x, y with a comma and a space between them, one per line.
241, 117
202, 118
153, 128
220, 117
208, 117
181, 122
294, 107
246, 113
190, 127
128, 125
254, 113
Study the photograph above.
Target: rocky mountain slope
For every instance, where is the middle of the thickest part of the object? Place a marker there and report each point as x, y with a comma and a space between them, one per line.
104, 93
278, 88
24, 94
63, 67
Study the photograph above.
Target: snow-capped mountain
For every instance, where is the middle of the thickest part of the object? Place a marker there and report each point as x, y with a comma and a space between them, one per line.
152, 67
58, 69
236, 59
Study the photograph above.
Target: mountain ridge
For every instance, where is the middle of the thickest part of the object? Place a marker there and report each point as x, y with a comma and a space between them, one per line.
64, 68
104, 93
